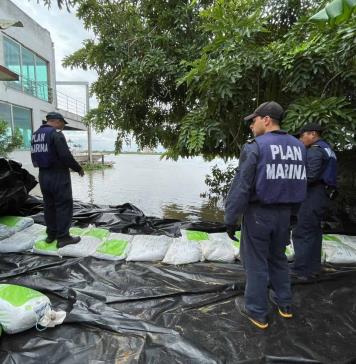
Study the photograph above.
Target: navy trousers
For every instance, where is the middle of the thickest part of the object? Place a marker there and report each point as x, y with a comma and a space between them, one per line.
307, 234
265, 235
56, 190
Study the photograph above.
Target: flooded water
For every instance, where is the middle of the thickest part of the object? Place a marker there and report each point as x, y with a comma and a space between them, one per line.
159, 188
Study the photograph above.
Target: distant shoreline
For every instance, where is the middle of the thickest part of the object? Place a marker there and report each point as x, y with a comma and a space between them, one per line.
140, 153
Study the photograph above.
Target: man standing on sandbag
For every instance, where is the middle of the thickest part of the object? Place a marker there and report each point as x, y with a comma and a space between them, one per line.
50, 153
321, 177
270, 181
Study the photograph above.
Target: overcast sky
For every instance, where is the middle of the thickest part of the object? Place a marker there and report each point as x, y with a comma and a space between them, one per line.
68, 33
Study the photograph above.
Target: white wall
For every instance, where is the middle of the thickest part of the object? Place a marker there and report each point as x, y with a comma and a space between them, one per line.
38, 40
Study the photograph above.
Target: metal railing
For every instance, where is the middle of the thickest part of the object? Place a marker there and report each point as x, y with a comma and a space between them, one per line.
70, 104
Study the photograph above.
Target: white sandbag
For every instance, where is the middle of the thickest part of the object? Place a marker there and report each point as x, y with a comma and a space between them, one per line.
183, 251
21, 308
334, 250
10, 225
115, 247
87, 246
23, 240
148, 248
219, 248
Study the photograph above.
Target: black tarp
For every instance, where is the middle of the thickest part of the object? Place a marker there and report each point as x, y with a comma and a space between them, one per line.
125, 312
15, 184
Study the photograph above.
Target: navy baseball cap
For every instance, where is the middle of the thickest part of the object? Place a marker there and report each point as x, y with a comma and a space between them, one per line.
269, 108
55, 116
311, 127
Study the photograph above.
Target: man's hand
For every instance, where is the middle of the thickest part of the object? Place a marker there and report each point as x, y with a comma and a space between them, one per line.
230, 230
81, 172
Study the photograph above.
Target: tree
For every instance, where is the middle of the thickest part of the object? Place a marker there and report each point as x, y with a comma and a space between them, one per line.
336, 12
183, 73
8, 142
60, 3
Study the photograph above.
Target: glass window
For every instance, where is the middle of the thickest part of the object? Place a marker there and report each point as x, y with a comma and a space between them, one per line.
28, 72
22, 121
5, 114
13, 59
42, 79
32, 69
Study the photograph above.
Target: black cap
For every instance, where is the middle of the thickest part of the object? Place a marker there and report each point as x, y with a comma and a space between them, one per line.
311, 127
54, 116
269, 108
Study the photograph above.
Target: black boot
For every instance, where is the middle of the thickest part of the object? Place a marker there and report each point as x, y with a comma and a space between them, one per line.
50, 239
67, 240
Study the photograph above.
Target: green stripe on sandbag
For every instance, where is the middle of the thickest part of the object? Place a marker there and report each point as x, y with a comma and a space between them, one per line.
9, 221
42, 245
197, 235
76, 231
17, 295
97, 233
113, 247
331, 238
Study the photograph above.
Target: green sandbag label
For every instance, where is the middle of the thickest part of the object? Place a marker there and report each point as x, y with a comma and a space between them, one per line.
197, 235
76, 231
331, 238
42, 245
9, 221
236, 244
17, 295
97, 233
113, 247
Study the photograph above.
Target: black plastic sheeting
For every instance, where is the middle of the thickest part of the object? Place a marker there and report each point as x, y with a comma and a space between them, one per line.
15, 184
152, 313
125, 312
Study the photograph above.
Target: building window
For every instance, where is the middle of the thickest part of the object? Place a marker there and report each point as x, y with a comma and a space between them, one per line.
32, 69
18, 118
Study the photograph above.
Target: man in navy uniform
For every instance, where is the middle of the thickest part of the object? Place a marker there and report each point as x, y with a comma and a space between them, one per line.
50, 153
321, 177
270, 181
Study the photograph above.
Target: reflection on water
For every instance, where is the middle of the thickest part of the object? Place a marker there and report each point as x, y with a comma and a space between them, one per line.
159, 188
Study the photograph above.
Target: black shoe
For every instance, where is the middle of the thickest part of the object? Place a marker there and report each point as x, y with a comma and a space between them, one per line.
284, 311
260, 323
49, 239
62, 242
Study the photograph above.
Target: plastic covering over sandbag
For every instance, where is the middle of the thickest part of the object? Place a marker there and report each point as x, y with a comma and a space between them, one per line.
15, 184
23, 240
22, 308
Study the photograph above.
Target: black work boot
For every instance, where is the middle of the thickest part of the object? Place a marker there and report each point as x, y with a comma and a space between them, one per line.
67, 240
50, 239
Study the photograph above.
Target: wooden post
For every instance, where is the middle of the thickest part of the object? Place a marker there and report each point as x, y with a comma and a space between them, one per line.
102, 159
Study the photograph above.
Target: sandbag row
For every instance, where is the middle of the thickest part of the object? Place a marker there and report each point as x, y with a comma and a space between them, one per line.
19, 234
193, 246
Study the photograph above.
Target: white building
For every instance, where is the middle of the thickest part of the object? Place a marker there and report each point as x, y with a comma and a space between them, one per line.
29, 52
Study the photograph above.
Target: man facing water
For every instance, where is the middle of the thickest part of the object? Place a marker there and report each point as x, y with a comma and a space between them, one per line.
271, 180
50, 153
